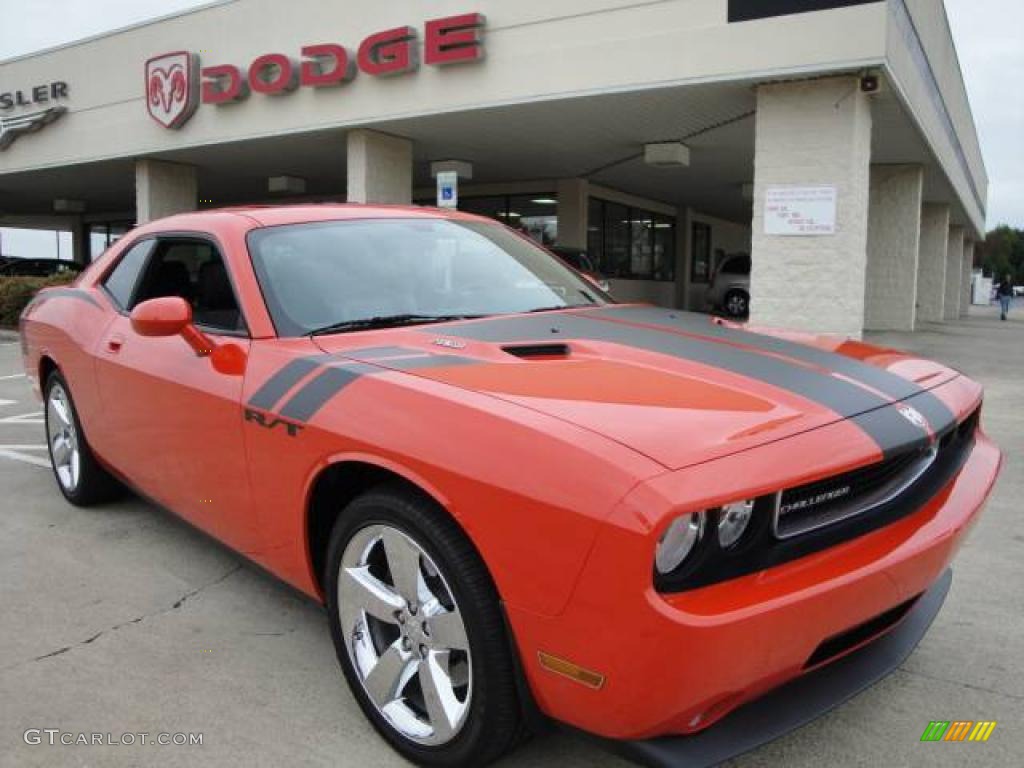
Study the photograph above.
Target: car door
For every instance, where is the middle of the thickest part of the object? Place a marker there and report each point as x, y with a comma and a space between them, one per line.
175, 421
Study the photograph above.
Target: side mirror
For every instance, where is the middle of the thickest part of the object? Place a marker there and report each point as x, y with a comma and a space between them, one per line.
170, 316
166, 316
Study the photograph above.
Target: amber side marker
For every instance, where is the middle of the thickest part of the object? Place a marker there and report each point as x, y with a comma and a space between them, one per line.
575, 672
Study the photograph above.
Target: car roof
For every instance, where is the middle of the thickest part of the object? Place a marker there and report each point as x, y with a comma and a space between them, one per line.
277, 215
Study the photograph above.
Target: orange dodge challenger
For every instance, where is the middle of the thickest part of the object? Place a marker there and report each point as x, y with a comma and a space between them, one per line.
518, 500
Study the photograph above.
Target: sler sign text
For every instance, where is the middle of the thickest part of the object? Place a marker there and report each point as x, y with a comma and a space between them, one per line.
176, 83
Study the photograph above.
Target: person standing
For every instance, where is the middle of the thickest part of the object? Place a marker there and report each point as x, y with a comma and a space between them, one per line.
1005, 294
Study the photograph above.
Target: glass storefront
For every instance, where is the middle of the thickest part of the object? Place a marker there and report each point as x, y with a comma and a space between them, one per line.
535, 215
631, 243
102, 235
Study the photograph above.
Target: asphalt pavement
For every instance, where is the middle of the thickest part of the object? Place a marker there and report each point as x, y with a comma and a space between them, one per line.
122, 619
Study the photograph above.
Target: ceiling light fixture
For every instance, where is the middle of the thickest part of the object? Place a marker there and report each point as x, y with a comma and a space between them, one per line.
667, 154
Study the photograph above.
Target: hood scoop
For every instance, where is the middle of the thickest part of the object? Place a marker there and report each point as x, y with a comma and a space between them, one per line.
538, 351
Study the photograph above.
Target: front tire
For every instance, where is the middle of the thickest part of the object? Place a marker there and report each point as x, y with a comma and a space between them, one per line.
419, 633
79, 476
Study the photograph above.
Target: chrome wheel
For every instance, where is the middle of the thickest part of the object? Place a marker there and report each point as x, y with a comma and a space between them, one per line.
405, 635
63, 438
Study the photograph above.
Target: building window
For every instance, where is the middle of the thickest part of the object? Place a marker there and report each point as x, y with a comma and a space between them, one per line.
630, 243
103, 235
534, 215
700, 264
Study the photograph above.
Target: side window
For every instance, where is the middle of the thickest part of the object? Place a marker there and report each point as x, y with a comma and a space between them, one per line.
195, 271
737, 265
124, 278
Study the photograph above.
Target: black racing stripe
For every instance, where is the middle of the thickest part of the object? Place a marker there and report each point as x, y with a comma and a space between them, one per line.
893, 433
288, 376
935, 411
70, 293
891, 385
838, 395
317, 391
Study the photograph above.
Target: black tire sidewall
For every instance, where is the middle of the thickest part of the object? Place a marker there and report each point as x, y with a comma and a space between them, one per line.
746, 303
94, 484
492, 723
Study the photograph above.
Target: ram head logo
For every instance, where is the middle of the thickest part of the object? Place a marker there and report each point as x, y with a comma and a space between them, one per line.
172, 87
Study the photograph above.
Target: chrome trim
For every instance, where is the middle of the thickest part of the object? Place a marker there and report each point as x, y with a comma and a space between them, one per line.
880, 496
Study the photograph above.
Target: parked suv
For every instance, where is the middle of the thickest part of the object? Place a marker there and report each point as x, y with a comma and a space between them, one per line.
730, 286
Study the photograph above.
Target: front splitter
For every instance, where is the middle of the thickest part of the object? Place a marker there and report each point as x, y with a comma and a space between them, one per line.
796, 703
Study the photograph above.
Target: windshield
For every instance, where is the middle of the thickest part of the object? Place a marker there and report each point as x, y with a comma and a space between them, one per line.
349, 274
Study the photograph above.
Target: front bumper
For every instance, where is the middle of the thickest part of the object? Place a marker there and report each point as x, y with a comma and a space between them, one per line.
675, 665
797, 703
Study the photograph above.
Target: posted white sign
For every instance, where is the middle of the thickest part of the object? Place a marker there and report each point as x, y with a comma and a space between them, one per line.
800, 211
448, 189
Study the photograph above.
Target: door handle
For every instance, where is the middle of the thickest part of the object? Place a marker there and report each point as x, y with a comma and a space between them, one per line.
114, 343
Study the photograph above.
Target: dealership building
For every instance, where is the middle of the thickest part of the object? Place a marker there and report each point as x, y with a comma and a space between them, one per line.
831, 140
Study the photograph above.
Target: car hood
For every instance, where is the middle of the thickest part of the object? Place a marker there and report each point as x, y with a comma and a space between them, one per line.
678, 387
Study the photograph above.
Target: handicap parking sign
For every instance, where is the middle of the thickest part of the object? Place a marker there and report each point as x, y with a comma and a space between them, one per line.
447, 189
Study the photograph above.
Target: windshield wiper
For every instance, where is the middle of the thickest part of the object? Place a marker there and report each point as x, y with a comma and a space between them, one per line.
386, 321
556, 308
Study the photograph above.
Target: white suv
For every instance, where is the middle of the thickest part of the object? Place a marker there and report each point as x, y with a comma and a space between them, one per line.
730, 285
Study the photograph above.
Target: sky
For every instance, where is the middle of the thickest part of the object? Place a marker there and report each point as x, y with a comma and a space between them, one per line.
987, 33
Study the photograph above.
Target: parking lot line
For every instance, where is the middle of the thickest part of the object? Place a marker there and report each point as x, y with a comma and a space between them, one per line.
35, 417
7, 453
12, 376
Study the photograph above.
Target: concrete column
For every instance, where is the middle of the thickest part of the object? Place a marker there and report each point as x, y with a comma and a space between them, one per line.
684, 252
931, 262
572, 212
965, 285
80, 242
379, 168
894, 233
812, 132
163, 189
954, 273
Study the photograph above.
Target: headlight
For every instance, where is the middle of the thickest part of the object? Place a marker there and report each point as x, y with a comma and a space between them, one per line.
733, 521
678, 541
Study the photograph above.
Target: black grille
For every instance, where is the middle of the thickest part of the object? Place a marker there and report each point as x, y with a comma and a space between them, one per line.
810, 506
844, 641
807, 507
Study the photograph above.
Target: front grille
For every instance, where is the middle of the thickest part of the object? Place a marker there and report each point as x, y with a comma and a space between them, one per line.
815, 505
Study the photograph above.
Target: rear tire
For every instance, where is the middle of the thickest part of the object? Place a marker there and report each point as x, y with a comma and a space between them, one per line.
79, 476
447, 694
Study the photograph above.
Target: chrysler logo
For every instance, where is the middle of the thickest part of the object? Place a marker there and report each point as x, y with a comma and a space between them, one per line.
172, 88
13, 127
913, 415
813, 501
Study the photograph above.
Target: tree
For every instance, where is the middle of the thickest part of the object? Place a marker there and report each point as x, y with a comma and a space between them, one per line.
1002, 252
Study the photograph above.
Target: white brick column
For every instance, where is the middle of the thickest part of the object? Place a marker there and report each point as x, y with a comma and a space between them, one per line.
163, 189
965, 286
954, 273
931, 262
379, 168
572, 212
894, 234
812, 132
